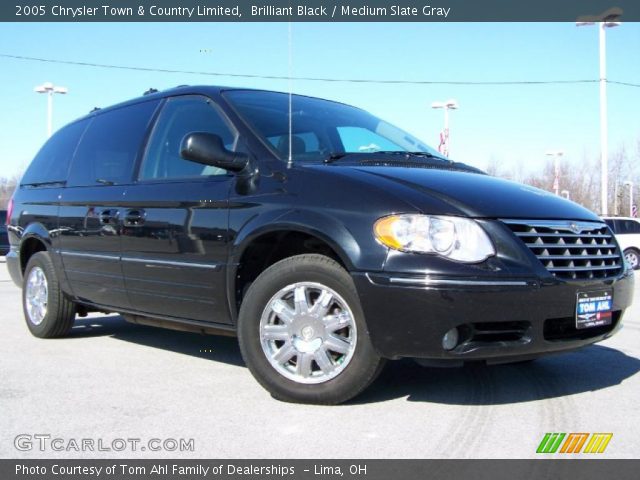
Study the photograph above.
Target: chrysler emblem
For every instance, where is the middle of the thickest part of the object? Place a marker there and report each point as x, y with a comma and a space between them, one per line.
574, 228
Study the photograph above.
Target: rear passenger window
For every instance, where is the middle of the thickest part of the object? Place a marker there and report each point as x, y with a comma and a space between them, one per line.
179, 117
109, 148
51, 164
629, 226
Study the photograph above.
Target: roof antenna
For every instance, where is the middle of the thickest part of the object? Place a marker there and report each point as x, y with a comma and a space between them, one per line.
290, 158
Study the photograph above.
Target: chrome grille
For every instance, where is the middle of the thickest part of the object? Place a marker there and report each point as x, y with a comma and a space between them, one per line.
571, 250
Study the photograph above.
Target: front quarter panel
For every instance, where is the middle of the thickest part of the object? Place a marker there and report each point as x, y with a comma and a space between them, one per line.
338, 209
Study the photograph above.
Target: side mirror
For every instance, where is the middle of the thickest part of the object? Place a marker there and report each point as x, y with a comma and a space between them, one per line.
208, 149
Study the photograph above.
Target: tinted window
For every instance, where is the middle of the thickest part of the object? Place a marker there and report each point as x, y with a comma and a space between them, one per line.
179, 117
302, 142
110, 146
51, 164
356, 139
336, 127
628, 226
610, 222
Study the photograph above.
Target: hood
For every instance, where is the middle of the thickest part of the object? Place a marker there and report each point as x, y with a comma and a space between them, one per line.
476, 195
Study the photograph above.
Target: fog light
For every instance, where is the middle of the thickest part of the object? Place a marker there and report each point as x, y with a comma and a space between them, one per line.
450, 339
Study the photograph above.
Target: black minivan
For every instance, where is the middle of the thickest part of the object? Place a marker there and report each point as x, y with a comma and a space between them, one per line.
327, 239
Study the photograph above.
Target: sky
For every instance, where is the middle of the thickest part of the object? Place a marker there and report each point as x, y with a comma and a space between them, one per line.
512, 125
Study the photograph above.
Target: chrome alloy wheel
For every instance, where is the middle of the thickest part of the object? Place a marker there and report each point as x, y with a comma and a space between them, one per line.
36, 294
308, 333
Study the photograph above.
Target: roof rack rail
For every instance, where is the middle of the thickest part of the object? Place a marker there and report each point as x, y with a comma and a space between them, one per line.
150, 91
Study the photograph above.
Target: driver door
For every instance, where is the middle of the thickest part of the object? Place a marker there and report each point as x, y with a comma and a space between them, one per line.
175, 223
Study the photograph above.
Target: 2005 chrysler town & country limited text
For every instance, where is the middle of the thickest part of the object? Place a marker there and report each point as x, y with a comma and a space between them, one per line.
327, 239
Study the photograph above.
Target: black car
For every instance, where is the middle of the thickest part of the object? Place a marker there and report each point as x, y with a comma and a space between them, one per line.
4, 239
327, 239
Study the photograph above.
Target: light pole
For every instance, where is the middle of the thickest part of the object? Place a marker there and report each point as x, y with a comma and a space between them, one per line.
450, 104
605, 20
556, 167
49, 88
565, 194
629, 184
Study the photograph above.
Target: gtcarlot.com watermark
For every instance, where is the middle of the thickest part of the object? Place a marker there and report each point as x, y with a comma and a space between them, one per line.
48, 443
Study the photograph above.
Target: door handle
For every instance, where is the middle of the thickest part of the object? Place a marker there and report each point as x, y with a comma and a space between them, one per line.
134, 218
109, 216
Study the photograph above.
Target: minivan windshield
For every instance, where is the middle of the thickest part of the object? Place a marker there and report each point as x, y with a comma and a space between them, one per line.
321, 129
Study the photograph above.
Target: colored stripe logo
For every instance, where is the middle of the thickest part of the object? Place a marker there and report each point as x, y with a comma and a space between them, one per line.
574, 442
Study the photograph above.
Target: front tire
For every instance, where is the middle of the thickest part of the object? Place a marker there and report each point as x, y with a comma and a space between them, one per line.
302, 332
47, 311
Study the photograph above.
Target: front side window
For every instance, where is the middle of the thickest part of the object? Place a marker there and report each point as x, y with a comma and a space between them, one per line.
319, 127
110, 147
179, 117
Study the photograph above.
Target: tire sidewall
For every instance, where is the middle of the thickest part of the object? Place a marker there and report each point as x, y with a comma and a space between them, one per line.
42, 260
305, 268
634, 252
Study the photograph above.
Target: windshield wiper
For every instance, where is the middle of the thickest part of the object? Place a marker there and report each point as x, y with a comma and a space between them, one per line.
332, 157
40, 184
431, 155
415, 154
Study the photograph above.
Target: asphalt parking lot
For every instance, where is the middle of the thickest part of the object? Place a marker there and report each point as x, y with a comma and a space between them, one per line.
113, 380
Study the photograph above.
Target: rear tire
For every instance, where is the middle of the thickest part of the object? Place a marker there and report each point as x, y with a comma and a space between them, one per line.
47, 311
302, 332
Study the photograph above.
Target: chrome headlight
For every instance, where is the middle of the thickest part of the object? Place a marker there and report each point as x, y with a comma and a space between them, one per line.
457, 238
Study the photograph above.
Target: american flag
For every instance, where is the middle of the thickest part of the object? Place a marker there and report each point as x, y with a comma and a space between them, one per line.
443, 147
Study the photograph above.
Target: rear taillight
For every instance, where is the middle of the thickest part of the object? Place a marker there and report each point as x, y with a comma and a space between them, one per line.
9, 211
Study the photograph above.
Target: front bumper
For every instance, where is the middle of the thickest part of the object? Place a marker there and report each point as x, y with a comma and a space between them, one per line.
501, 320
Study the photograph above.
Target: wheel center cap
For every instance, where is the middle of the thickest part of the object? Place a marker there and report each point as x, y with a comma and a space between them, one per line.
307, 333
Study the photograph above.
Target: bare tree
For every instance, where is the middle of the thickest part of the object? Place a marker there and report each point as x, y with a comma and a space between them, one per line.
7, 187
582, 178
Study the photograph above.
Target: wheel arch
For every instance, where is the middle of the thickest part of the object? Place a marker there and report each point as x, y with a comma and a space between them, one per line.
272, 239
35, 238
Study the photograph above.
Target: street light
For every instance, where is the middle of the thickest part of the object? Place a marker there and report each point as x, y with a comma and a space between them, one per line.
450, 104
565, 194
556, 167
605, 20
50, 89
629, 184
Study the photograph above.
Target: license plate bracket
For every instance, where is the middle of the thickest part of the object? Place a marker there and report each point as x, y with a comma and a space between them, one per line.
593, 309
